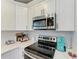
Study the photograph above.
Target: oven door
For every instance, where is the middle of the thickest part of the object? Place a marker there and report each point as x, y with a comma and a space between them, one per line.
28, 55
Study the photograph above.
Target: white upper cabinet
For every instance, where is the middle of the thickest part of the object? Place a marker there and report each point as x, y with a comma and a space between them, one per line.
16, 17
46, 7
21, 18
13, 16
7, 15
65, 15
40, 8
31, 14
64, 10
51, 7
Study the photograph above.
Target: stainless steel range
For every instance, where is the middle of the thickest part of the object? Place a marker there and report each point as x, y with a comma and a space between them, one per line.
43, 49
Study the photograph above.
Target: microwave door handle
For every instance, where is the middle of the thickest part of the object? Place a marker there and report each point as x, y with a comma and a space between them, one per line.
56, 21
55, 16
46, 21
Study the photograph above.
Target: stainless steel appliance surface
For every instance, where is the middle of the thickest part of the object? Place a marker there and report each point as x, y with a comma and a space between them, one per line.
24, 1
40, 50
42, 22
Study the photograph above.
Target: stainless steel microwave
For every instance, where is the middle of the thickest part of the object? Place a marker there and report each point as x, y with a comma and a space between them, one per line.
42, 22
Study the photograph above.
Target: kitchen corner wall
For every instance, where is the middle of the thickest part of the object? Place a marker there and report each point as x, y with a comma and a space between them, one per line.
11, 35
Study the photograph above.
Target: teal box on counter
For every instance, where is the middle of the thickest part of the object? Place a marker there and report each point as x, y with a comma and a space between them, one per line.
60, 43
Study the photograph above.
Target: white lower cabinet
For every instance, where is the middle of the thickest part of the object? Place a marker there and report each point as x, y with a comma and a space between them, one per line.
13, 54
21, 53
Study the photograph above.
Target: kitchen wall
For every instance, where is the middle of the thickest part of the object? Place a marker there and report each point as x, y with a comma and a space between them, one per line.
10, 35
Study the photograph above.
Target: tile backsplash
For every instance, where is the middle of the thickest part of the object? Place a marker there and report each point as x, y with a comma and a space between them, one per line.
11, 35
67, 35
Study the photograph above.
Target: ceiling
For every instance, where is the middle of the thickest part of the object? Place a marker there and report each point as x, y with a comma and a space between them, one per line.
24, 1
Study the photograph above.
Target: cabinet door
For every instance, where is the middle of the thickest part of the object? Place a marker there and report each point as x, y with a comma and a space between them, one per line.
21, 53
42, 8
51, 7
21, 18
13, 54
65, 15
7, 15
31, 14
45, 7
38, 10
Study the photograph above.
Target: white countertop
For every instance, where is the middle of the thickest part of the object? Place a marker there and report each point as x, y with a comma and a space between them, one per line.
6, 48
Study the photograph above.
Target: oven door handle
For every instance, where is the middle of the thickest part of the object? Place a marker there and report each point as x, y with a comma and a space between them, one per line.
25, 52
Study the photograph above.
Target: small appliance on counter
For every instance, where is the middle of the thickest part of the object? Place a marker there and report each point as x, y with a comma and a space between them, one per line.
8, 42
61, 44
21, 37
